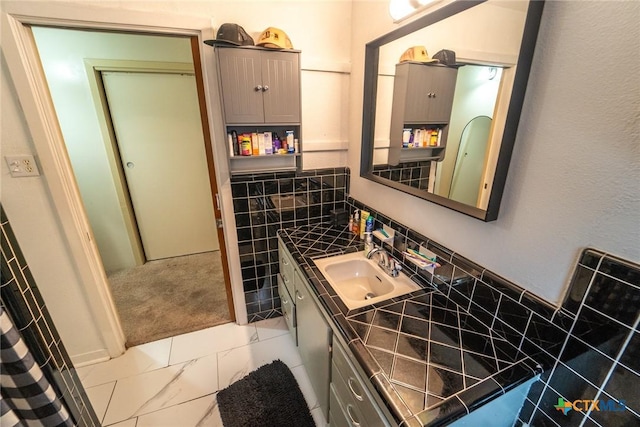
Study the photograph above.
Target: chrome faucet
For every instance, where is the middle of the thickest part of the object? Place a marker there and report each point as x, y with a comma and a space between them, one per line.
386, 262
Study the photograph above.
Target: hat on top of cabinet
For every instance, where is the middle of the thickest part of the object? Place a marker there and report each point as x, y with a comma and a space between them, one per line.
416, 54
274, 38
231, 34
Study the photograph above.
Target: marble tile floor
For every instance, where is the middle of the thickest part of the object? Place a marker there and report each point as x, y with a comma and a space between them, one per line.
173, 382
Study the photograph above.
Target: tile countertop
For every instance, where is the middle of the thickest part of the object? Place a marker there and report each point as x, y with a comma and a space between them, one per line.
430, 361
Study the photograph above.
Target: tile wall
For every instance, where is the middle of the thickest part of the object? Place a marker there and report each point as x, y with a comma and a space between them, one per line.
264, 203
21, 298
589, 348
600, 357
414, 174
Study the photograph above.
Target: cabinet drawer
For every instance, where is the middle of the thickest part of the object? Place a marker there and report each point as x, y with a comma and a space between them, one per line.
350, 407
288, 308
286, 269
351, 389
337, 416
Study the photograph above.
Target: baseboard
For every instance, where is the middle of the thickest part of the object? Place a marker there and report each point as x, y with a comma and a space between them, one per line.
84, 359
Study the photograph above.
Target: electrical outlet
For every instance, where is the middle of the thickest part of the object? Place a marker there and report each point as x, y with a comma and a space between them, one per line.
20, 166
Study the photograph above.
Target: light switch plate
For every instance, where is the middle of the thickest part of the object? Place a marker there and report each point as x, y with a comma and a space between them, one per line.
20, 166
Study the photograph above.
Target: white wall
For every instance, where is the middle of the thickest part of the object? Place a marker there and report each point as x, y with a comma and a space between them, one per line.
39, 233
574, 175
321, 29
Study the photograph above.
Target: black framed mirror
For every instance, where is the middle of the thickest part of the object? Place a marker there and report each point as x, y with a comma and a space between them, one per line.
493, 42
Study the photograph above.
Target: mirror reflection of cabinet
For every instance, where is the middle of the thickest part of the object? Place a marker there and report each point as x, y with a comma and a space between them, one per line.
422, 101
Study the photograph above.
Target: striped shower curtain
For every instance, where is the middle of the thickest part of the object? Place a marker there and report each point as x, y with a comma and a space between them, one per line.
27, 398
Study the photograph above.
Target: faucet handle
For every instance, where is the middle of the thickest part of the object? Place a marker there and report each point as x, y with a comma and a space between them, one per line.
394, 267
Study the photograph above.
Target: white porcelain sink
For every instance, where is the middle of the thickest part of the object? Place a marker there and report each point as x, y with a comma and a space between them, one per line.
359, 281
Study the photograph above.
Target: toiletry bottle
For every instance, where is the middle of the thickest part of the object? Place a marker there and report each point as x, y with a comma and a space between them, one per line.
369, 225
363, 222
368, 243
351, 223
276, 143
356, 223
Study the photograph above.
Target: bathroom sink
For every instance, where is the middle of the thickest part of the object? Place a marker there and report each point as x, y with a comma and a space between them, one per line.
359, 281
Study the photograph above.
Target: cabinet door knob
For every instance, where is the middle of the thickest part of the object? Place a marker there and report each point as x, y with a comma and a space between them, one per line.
265, 88
258, 88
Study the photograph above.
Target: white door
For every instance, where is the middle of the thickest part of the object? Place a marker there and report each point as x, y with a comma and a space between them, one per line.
472, 151
156, 119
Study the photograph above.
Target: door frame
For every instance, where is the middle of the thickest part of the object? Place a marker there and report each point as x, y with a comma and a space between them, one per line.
30, 83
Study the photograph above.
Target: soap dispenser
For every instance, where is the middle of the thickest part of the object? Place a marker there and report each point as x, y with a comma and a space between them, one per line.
368, 244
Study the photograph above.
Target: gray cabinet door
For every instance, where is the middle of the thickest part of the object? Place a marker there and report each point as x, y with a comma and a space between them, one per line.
427, 92
259, 86
241, 83
314, 341
444, 86
281, 83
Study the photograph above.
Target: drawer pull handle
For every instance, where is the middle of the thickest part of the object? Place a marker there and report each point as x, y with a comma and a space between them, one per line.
284, 301
354, 421
286, 280
356, 395
300, 297
285, 262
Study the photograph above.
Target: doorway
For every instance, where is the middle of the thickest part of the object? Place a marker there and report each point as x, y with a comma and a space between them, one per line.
139, 221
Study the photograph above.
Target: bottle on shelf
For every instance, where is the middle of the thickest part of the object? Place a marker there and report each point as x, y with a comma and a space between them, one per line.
277, 145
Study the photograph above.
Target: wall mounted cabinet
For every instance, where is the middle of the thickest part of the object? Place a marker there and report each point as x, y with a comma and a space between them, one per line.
422, 103
260, 93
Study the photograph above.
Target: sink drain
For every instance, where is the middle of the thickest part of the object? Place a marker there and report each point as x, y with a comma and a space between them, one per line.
369, 295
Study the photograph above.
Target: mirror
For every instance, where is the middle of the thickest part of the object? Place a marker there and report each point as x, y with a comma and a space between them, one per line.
406, 146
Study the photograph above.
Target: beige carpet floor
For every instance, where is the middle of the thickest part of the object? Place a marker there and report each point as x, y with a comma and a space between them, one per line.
169, 297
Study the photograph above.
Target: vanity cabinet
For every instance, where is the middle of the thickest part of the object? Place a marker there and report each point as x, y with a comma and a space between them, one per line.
286, 290
307, 325
260, 93
422, 100
351, 404
314, 341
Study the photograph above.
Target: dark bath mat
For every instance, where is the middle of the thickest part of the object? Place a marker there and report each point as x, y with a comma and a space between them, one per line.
267, 397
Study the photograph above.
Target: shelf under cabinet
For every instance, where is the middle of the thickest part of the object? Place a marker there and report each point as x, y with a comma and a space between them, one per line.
265, 163
415, 154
